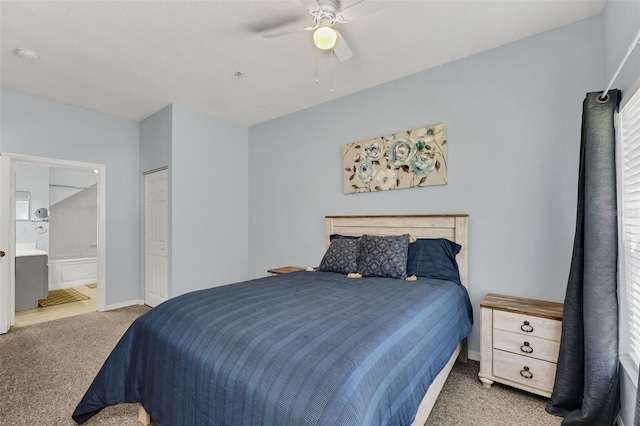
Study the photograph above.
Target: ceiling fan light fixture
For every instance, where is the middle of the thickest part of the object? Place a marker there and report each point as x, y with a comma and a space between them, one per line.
325, 38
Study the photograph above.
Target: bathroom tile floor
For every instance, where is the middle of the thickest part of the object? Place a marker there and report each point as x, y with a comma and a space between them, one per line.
38, 315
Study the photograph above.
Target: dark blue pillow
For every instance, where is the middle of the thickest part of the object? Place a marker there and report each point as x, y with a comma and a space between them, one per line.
383, 256
434, 258
341, 256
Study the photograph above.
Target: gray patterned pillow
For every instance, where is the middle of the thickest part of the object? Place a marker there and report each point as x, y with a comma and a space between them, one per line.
383, 256
341, 257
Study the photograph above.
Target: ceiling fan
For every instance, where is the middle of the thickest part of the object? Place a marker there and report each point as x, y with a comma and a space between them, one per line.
326, 14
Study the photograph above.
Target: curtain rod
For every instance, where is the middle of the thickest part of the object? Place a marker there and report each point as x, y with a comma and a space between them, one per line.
634, 43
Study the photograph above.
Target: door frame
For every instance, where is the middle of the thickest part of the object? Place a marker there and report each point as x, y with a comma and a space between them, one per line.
9, 288
7, 215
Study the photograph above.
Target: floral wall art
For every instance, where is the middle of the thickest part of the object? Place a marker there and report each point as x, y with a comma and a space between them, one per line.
402, 160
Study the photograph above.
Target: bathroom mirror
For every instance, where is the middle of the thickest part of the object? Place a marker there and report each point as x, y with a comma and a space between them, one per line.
23, 199
42, 213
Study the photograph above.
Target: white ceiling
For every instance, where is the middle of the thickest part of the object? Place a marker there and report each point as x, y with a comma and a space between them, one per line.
132, 58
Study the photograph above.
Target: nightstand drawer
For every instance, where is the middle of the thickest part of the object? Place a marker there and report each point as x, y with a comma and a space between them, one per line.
524, 370
529, 346
527, 325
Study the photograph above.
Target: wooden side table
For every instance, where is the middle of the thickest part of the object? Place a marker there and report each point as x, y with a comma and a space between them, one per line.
284, 270
519, 342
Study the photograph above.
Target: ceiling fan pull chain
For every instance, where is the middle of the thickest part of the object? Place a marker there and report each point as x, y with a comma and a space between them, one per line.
317, 67
331, 70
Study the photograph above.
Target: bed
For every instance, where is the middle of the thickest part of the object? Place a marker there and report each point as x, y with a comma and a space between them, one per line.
304, 348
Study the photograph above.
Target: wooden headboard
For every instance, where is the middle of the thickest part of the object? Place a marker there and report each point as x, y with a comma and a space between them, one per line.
453, 227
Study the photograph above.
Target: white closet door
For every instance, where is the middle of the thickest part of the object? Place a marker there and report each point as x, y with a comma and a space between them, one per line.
156, 235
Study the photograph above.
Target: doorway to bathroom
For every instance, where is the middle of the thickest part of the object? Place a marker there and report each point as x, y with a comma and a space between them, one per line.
58, 239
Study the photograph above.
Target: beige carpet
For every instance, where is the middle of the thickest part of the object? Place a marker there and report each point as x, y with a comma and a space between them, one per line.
92, 285
36, 389
59, 297
464, 401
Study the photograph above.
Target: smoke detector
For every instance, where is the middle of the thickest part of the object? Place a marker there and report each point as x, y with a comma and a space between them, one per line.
28, 54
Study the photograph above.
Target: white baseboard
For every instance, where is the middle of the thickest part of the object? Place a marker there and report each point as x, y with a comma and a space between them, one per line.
473, 355
123, 304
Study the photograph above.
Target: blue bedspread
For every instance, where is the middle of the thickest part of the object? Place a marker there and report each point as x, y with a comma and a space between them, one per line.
305, 348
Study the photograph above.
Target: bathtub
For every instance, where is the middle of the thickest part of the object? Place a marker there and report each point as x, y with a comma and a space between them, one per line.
65, 273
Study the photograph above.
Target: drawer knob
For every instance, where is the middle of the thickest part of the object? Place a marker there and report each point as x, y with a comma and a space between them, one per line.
526, 373
526, 327
526, 348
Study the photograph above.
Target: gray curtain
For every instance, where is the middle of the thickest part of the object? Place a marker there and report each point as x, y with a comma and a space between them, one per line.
586, 389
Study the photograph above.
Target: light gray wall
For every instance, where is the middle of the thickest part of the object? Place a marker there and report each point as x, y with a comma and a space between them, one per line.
621, 22
73, 226
35, 126
33, 178
210, 201
155, 140
513, 117
208, 181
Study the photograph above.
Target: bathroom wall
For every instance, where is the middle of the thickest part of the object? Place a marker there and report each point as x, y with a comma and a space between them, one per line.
33, 178
66, 181
73, 226
74, 213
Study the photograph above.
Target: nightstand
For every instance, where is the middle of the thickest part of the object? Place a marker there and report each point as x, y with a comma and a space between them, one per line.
284, 270
519, 342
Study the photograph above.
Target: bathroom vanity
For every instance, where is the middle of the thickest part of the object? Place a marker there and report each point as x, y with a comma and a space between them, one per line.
32, 282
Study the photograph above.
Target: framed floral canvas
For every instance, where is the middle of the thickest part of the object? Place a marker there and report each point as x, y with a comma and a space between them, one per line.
402, 160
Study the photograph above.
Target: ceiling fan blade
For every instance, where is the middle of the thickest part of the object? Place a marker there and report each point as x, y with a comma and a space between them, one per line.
287, 31
361, 8
310, 4
341, 49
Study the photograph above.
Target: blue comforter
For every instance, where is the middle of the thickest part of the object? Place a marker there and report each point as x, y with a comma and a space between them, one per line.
305, 348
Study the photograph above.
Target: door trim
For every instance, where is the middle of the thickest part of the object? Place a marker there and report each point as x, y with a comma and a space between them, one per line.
145, 175
102, 207
159, 169
6, 217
